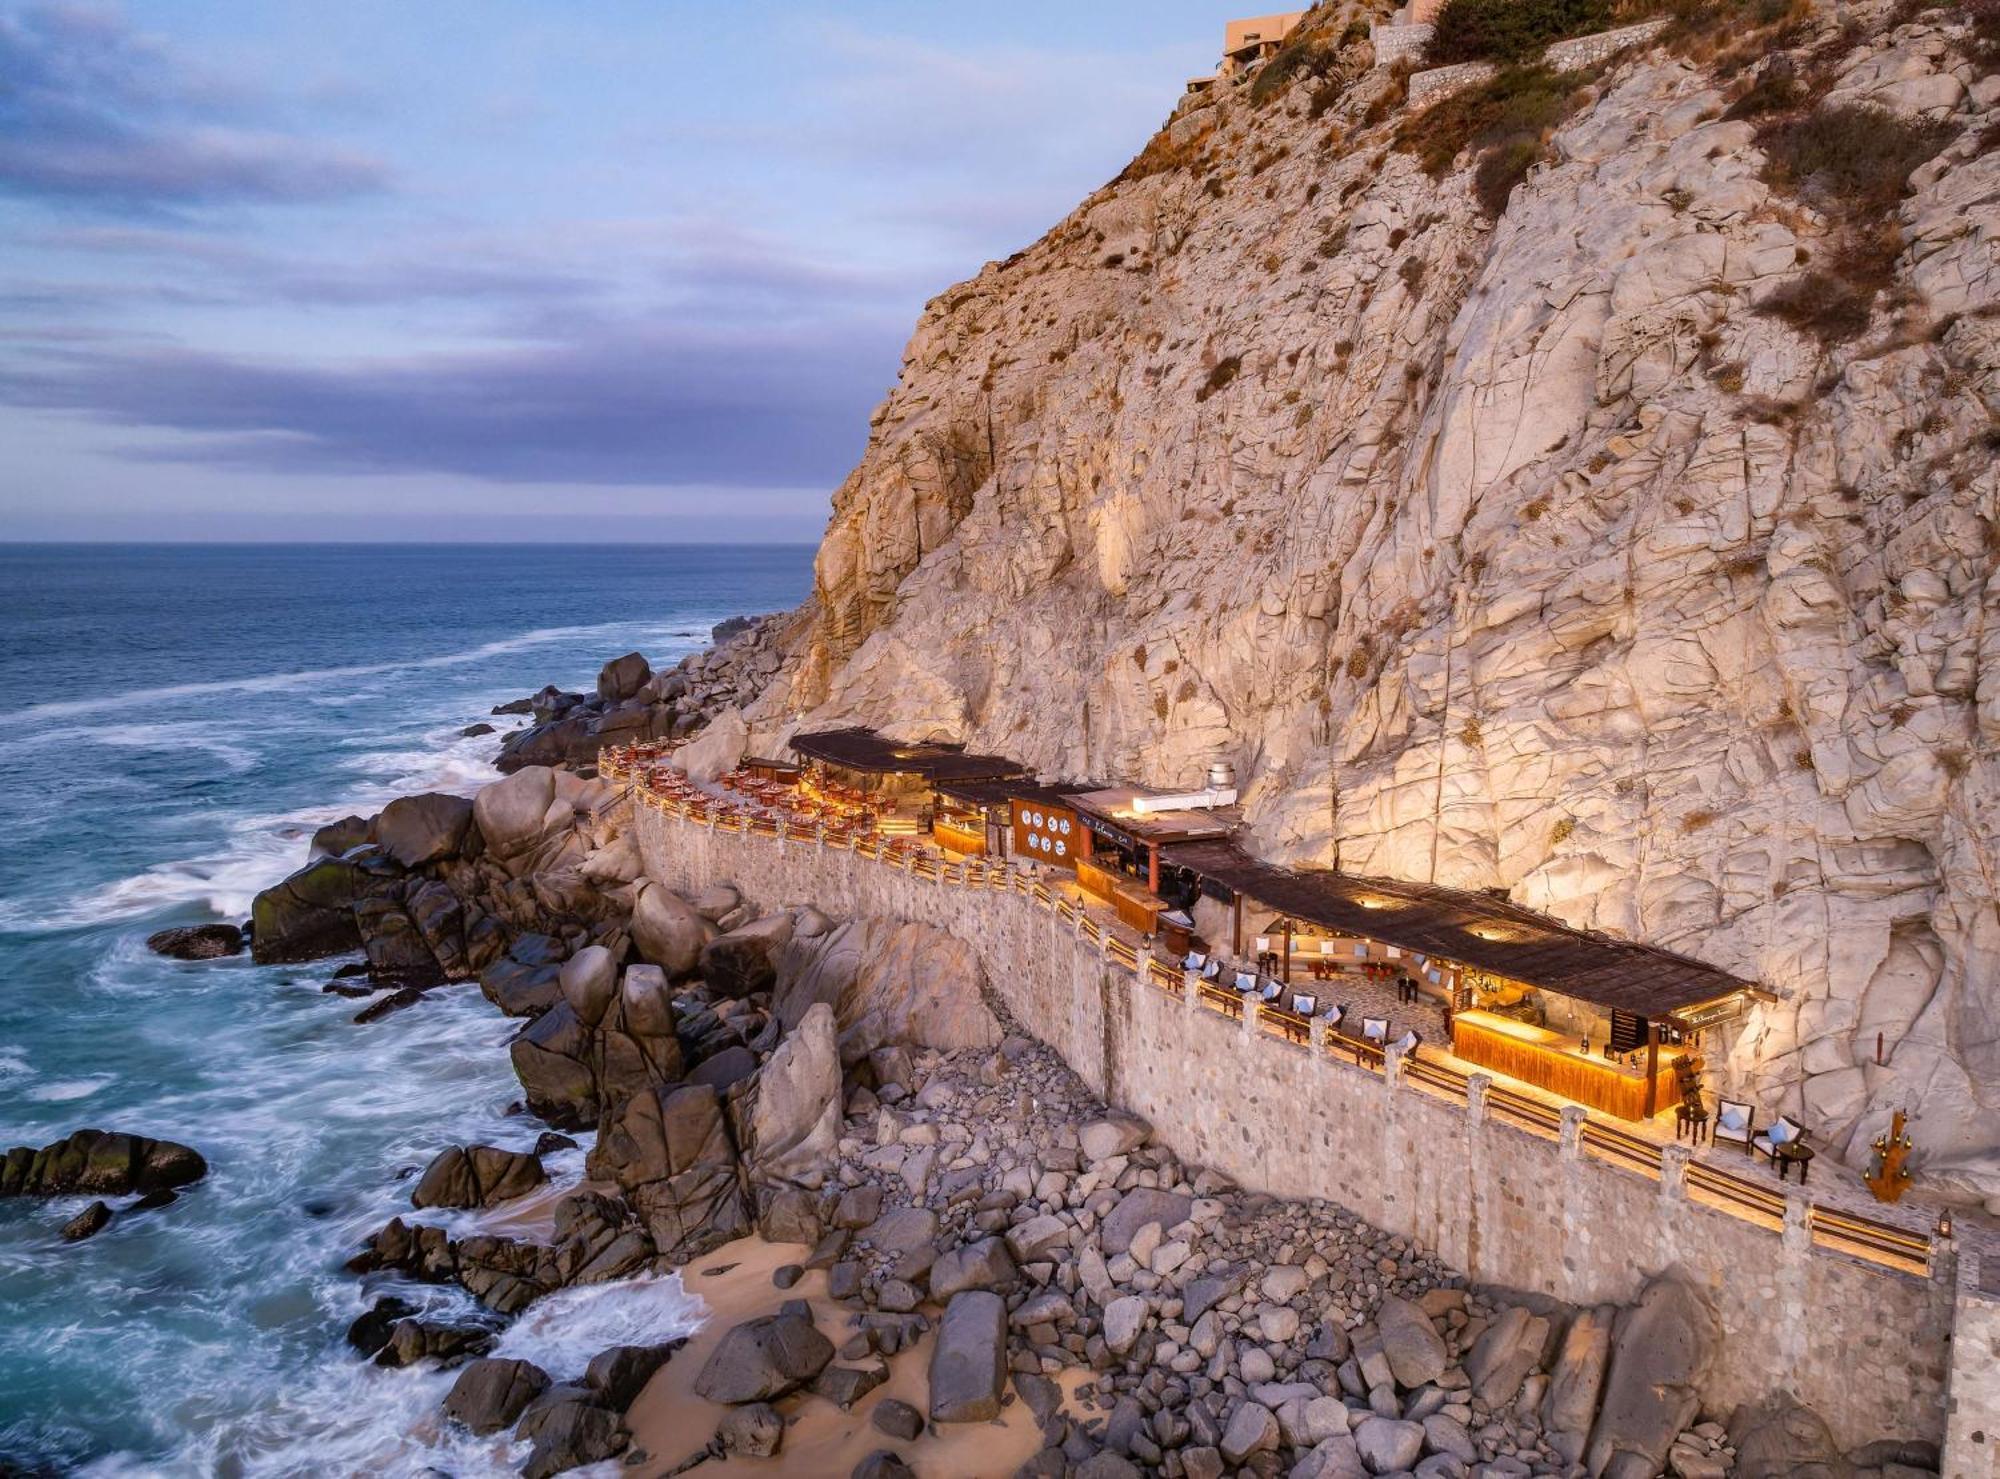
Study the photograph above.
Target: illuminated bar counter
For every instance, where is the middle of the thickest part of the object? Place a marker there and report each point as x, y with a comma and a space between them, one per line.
1551, 1060
1137, 908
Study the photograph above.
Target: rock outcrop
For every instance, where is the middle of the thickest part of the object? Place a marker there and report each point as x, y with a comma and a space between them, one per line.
887, 981
477, 1176
441, 888
632, 703
1547, 553
105, 1163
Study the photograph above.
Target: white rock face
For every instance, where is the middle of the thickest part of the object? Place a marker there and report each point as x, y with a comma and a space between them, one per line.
1523, 554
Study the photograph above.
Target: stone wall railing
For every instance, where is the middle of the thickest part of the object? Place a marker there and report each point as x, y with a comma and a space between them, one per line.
1561, 56
1852, 1316
1393, 43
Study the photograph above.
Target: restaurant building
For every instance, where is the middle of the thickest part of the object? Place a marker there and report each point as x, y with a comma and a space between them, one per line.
1589, 1018
893, 783
1607, 1023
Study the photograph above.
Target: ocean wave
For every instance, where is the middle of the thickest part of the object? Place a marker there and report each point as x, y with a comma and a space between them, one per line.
279, 682
64, 1090
351, 1417
260, 849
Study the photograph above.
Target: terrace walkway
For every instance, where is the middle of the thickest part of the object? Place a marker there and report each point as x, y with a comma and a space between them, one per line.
1842, 1215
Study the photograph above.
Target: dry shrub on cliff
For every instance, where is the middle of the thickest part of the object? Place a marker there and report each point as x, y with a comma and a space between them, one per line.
1218, 378
1506, 119
1822, 304
1852, 162
1849, 158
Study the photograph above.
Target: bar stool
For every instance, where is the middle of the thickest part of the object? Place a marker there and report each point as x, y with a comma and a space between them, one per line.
1691, 1120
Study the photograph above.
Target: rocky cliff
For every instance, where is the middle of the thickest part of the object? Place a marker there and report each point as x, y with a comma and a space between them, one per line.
1625, 541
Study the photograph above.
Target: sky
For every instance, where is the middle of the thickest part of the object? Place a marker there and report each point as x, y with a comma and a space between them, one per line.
513, 269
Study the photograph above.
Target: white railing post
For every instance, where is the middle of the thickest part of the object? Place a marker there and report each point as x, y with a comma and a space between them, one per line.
1674, 1172
1573, 1116
1190, 989
1392, 1066
1476, 1089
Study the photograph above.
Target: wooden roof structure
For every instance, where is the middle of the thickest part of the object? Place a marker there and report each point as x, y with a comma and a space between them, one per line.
1110, 811
998, 792
1473, 929
860, 748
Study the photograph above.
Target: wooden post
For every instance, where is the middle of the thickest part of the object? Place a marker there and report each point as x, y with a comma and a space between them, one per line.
1652, 1068
1236, 937
1286, 975
1153, 869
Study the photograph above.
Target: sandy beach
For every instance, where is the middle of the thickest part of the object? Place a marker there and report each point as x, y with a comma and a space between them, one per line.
669, 1422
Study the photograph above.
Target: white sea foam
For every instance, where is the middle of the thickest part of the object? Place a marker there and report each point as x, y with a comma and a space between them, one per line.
350, 1417
260, 849
62, 1091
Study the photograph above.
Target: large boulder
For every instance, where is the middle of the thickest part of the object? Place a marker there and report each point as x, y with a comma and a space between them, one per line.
1576, 1381
343, 836
969, 1361
1777, 1438
310, 914
1388, 1445
589, 982
101, 1162
1139, 1206
1661, 1353
716, 751
568, 1428
746, 959
514, 814
620, 1373
795, 1125
637, 1042
764, 1359
415, 830
1509, 1348
520, 989
197, 942
623, 677
669, 1150
667, 932
477, 1176
398, 954
985, 1264
1111, 1134
888, 981
1416, 1352
491, 1393
552, 1057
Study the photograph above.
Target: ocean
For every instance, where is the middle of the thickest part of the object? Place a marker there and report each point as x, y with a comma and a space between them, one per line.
182, 718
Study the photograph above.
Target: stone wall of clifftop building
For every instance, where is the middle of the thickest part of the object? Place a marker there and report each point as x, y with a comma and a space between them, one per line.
1868, 1347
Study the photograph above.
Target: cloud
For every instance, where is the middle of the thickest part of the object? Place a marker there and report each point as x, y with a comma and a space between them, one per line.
661, 404
91, 111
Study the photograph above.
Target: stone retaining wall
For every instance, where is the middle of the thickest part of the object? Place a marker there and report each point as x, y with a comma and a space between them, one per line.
1868, 1348
1563, 56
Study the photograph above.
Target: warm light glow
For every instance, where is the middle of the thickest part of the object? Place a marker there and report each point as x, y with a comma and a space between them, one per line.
1138, 806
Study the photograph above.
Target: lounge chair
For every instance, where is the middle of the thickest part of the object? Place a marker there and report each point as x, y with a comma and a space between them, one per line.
1271, 990
1375, 1029
1735, 1123
1195, 961
1784, 1132
1407, 1044
1246, 981
1212, 971
1305, 1006
1335, 1015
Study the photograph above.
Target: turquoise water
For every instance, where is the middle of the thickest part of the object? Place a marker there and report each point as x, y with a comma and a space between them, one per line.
180, 719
